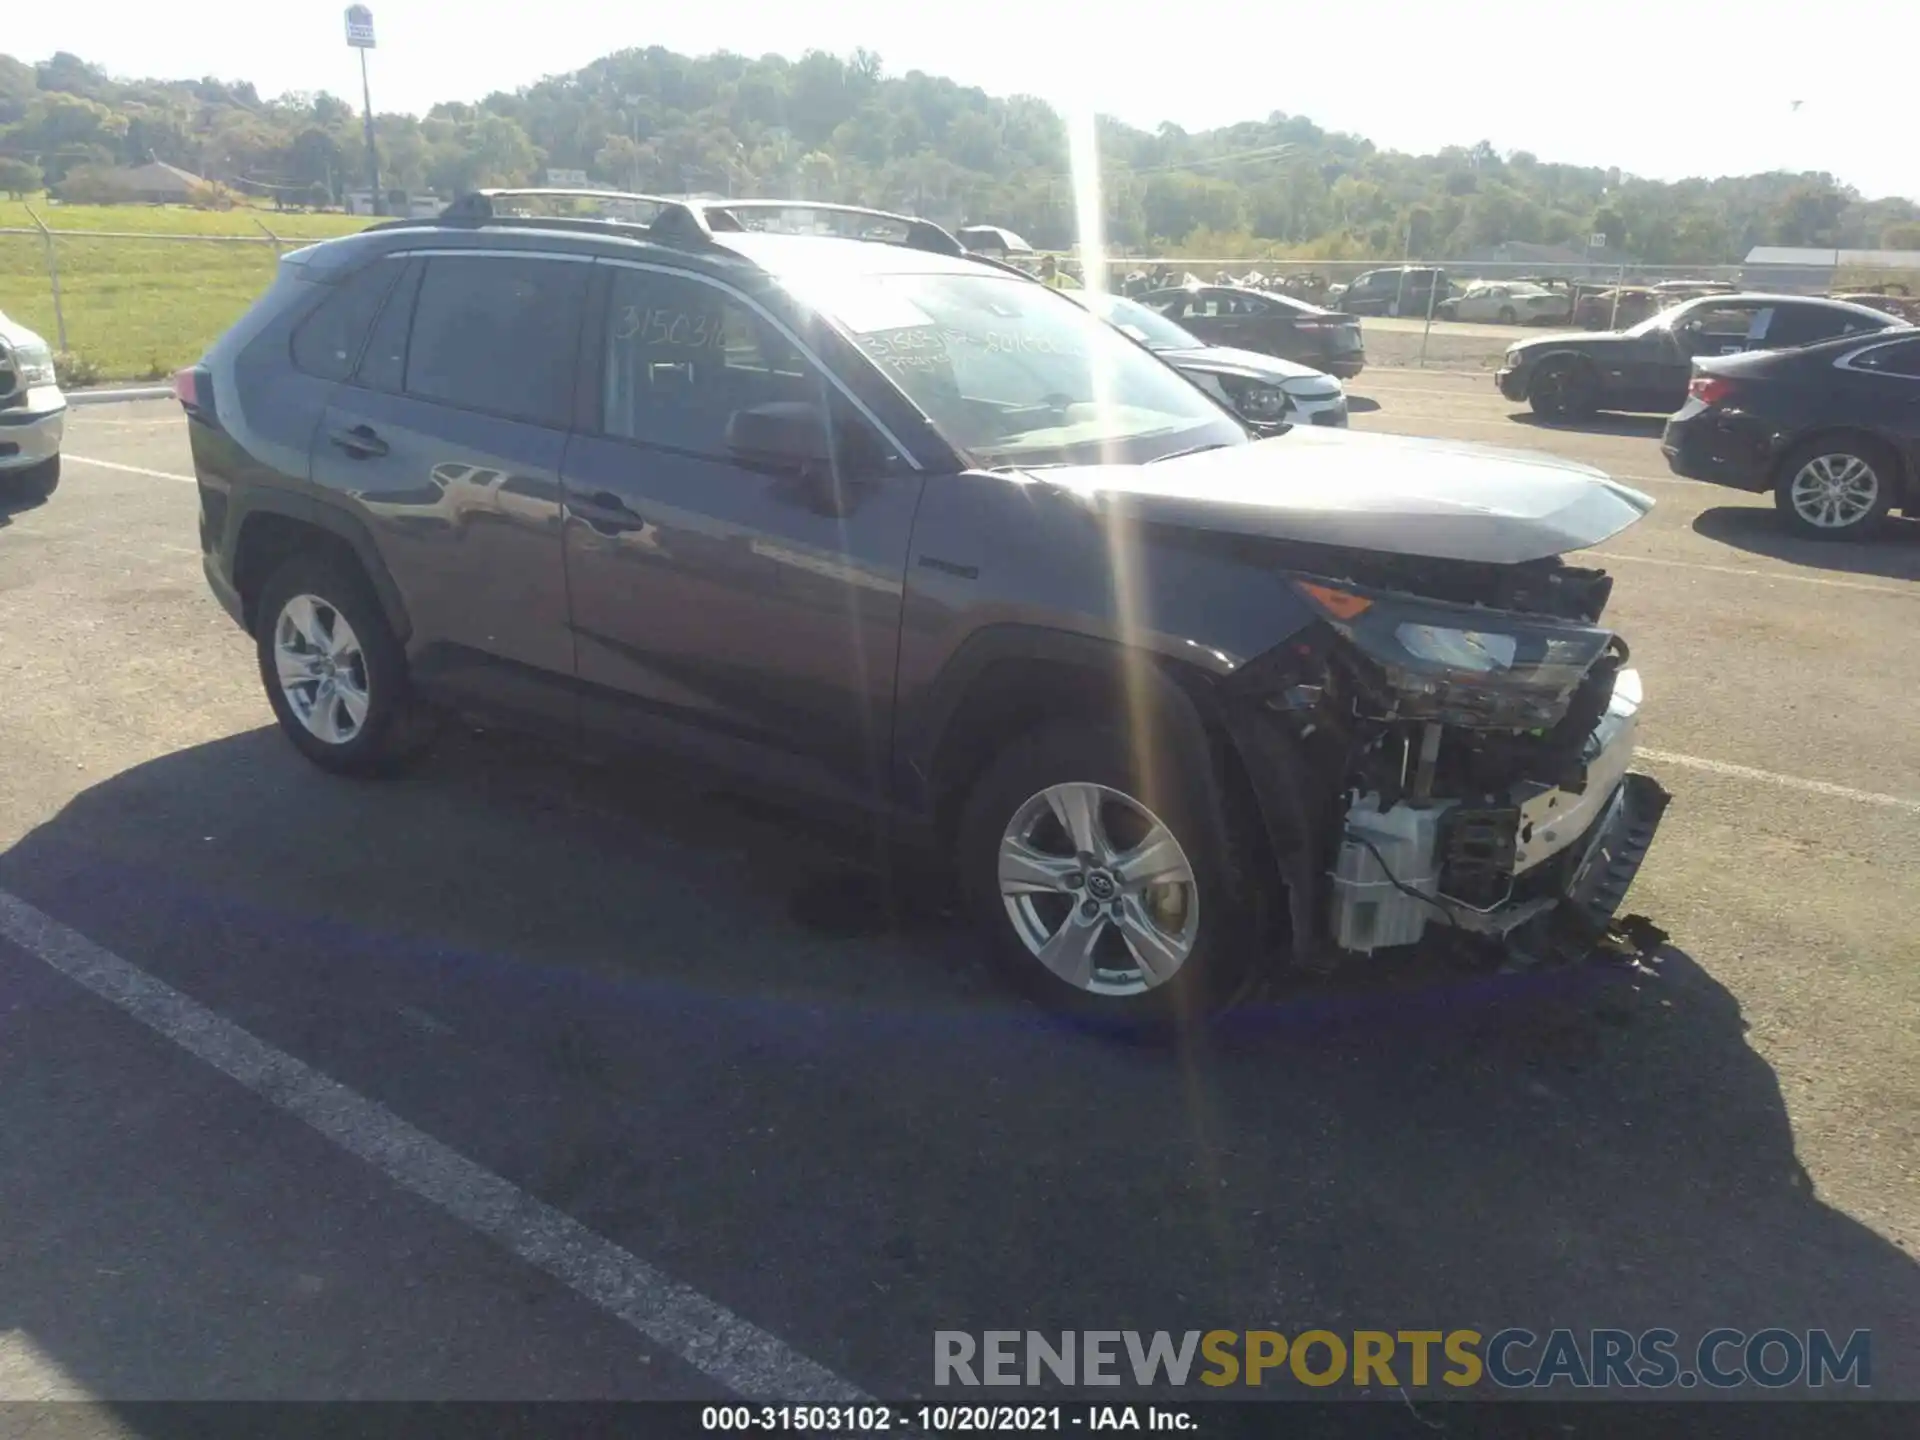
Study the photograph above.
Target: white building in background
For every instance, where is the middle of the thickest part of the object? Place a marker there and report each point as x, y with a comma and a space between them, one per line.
1794, 267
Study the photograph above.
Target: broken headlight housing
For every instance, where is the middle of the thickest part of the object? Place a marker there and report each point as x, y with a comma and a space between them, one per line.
1460, 665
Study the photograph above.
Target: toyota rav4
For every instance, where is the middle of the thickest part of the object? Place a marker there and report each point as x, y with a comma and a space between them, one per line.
806, 493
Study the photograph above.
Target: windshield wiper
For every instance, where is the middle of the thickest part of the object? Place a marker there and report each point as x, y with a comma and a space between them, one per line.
1190, 450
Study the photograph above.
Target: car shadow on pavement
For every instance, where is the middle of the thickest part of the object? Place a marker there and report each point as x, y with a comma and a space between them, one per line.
594, 984
1361, 404
1893, 553
1648, 426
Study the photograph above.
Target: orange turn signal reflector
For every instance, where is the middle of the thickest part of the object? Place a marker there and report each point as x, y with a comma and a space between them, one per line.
1338, 603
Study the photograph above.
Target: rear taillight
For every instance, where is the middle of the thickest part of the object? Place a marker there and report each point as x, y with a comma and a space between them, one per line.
1711, 389
193, 388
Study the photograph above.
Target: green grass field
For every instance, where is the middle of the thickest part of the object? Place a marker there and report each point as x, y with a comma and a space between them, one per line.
141, 307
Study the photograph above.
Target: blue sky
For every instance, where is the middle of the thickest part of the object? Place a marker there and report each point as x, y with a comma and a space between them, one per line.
1659, 89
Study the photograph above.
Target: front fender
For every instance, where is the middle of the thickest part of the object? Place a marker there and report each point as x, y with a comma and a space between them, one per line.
1004, 566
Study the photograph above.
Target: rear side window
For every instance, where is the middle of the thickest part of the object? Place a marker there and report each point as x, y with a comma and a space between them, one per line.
329, 341
1809, 324
498, 334
1902, 358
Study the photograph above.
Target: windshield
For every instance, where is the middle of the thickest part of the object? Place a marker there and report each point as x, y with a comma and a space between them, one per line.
1014, 373
1662, 320
1142, 322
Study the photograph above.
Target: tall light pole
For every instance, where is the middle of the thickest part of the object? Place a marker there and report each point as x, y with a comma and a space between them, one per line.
360, 37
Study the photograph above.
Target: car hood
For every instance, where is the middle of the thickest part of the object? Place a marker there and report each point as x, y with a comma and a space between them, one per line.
1389, 493
1246, 364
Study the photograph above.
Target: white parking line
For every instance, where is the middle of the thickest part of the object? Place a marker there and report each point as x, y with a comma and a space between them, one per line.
129, 469
711, 1338
1913, 594
1791, 782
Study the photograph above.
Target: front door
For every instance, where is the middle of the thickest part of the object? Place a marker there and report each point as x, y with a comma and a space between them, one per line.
448, 441
742, 611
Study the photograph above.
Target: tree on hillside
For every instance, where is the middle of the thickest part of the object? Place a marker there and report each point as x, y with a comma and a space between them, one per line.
19, 179
839, 127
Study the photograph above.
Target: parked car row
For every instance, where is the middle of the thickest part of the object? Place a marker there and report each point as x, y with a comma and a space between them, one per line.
1814, 399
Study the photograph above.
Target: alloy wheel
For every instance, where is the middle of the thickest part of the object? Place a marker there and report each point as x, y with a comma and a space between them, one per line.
322, 669
1099, 889
1834, 491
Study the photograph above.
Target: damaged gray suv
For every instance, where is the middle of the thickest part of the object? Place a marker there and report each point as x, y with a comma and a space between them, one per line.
807, 493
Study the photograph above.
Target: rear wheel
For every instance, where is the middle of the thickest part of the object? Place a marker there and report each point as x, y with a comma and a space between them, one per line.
1110, 891
36, 482
1563, 389
334, 673
1836, 489
1508, 315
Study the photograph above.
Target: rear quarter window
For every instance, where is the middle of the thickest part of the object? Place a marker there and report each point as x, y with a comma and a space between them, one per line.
329, 341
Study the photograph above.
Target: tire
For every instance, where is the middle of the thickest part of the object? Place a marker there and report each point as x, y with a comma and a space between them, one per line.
1837, 488
35, 483
313, 594
1563, 389
1508, 316
1211, 921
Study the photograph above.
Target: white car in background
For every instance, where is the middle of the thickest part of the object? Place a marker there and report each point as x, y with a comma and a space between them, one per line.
1511, 302
33, 415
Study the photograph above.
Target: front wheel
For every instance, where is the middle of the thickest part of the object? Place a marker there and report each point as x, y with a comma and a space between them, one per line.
1109, 885
1508, 316
1837, 489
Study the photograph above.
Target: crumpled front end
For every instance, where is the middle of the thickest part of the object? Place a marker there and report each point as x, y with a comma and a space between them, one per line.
1462, 753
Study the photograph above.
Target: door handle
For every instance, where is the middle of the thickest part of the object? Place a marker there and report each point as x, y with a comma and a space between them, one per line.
606, 513
361, 442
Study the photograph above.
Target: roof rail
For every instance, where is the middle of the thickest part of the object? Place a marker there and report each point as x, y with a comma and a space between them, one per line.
735, 215
479, 206
689, 222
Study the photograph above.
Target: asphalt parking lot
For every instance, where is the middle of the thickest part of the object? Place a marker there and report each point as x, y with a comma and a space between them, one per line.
645, 1097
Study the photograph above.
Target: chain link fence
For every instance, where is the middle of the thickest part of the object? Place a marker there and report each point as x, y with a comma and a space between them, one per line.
129, 305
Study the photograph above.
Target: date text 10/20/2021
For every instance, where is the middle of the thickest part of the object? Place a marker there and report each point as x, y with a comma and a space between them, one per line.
945, 1419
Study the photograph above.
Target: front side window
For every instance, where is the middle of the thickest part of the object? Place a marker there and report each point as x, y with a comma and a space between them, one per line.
498, 334
1014, 374
684, 357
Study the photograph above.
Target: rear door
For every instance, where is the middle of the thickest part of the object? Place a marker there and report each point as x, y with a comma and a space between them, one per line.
448, 440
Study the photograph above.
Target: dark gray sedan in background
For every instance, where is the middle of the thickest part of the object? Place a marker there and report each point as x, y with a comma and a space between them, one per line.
1260, 388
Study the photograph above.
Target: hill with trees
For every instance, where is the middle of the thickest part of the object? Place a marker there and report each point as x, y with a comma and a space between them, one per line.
831, 128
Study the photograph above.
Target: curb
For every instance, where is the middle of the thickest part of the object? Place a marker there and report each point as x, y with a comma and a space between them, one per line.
107, 397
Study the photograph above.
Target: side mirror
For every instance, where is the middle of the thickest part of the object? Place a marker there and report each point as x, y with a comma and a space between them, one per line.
787, 435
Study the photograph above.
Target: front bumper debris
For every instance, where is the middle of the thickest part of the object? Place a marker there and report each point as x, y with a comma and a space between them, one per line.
1569, 853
